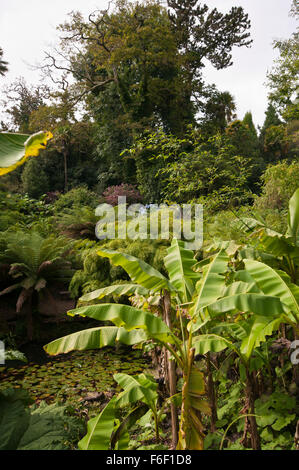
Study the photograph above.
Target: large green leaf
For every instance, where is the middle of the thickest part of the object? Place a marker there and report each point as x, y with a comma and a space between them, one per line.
276, 243
179, 262
139, 271
129, 318
141, 387
100, 429
240, 287
260, 327
14, 417
119, 289
210, 343
273, 283
236, 330
15, 149
210, 287
126, 425
50, 428
47, 427
293, 216
259, 304
95, 338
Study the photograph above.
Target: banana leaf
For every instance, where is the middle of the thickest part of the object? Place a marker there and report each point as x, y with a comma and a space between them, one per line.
100, 429
15, 149
140, 272
119, 289
179, 263
95, 338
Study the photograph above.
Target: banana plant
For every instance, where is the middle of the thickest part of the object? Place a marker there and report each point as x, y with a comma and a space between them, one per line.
15, 149
277, 249
135, 326
107, 430
197, 294
249, 309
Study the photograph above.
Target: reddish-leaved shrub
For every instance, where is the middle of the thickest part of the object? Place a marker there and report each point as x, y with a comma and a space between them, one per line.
112, 193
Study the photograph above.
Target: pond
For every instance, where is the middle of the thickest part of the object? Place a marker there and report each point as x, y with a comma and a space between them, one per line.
80, 379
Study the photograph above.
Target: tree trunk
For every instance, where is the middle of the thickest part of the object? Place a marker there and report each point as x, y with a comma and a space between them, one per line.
255, 439
65, 171
171, 369
29, 319
211, 394
295, 378
296, 439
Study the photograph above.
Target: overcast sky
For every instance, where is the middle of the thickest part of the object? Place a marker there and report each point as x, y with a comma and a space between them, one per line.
28, 28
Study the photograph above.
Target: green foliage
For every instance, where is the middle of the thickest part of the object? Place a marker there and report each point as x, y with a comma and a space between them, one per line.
282, 80
46, 427
98, 273
279, 183
218, 111
276, 416
34, 179
265, 306
35, 263
106, 431
75, 198
77, 222
213, 170
221, 319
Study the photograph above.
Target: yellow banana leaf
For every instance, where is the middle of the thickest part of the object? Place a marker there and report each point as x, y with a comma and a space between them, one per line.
15, 149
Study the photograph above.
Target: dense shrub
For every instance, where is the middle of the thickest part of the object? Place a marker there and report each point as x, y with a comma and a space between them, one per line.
279, 183
97, 272
80, 196
34, 178
18, 209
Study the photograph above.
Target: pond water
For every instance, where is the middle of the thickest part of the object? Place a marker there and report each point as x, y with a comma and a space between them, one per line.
73, 377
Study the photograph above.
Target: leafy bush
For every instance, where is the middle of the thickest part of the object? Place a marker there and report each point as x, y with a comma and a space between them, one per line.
193, 169
97, 272
15, 208
76, 197
279, 183
34, 179
276, 417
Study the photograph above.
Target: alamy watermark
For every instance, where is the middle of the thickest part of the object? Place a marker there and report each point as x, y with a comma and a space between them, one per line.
139, 222
295, 354
2, 353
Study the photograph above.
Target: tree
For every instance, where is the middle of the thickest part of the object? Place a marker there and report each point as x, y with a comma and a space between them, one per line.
191, 297
3, 64
248, 121
244, 139
204, 34
131, 51
218, 110
283, 78
278, 140
34, 179
34, 263
271, 119
20, 101
68, 161
194, 168
152, 59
